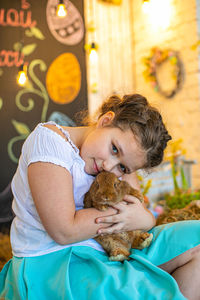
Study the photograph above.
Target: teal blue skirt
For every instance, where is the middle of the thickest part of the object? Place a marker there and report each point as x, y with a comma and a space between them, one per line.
83, 273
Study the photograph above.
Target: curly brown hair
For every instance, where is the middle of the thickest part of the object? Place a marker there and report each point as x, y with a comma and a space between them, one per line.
133, 111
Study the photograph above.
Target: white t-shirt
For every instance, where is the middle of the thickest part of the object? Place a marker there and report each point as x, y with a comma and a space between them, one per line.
28, 236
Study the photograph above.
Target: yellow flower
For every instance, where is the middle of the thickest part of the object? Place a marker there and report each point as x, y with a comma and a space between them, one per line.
174, 149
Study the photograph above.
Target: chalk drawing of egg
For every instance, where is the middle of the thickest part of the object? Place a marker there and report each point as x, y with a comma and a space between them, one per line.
68, 30
63, 78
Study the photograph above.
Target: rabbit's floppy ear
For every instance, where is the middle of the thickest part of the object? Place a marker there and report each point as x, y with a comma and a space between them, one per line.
124, 185
106, 119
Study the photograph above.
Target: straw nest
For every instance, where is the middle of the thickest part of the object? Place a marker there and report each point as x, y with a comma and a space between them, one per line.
5, 249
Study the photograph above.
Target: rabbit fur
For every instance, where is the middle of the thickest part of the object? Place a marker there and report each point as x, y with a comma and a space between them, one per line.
107, 190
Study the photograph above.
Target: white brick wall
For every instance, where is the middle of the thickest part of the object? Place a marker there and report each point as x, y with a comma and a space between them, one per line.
125, 36
182, 112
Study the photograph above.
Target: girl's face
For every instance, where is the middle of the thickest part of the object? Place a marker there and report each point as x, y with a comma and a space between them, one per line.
111, 149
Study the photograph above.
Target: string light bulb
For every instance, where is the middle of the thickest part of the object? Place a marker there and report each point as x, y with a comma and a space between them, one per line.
61, 11
93, 53
22, 77
146, 6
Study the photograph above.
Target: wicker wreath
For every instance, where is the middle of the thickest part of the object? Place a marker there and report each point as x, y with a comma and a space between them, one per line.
152, 63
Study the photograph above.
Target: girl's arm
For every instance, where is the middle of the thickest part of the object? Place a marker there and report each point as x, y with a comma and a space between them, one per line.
52, 192
132, 214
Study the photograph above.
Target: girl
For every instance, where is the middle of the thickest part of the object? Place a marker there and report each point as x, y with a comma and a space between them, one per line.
54, 255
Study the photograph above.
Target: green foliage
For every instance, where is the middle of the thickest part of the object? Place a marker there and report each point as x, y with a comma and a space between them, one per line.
181, 198
181, 195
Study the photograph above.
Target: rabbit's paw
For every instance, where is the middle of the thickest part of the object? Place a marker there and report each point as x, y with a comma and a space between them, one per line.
119, 255
146, 242
102, 207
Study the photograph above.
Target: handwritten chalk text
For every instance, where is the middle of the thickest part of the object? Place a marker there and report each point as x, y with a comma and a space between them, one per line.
10, 58
12, 17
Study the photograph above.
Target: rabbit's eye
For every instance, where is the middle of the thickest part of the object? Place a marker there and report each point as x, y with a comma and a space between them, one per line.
115, 184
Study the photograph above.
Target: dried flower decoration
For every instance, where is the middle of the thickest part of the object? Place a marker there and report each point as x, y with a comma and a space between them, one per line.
152, 63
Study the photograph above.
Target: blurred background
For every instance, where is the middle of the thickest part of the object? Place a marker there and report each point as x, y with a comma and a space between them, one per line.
55, 63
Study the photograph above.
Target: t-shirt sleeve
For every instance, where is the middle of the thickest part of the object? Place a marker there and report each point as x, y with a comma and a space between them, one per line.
45, 145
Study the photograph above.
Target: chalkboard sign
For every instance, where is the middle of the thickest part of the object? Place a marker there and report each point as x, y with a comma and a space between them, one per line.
52, 49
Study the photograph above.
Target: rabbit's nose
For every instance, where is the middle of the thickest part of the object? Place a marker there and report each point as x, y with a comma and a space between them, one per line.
105, 198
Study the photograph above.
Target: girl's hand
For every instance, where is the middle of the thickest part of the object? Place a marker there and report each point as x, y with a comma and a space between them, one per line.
132, 215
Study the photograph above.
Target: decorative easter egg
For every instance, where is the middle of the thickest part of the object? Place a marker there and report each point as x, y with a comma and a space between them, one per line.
69, 29
63, 78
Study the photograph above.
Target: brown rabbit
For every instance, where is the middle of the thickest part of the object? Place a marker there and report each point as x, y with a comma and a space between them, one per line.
105, 191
